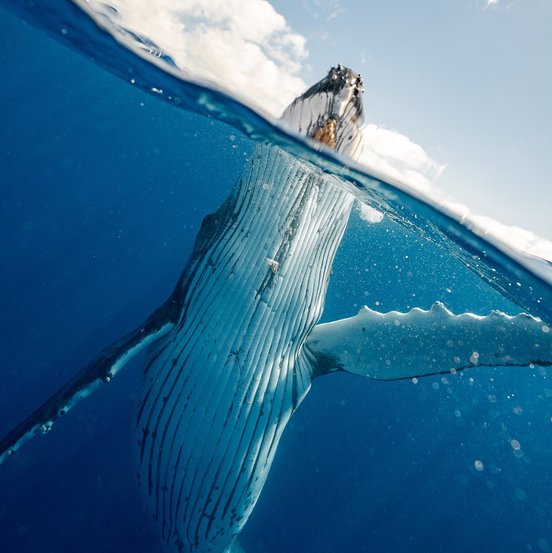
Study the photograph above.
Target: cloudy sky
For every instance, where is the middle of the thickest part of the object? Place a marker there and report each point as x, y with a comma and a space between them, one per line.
457, 92
468, 80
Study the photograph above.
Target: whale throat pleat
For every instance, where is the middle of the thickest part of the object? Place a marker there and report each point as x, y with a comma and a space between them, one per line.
222, 386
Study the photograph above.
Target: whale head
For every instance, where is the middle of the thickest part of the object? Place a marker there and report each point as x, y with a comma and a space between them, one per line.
331, 111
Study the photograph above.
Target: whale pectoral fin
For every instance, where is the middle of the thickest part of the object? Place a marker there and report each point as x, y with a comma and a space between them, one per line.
392, 346
101, 370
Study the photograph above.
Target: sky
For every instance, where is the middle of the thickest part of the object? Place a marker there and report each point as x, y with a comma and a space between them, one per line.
470, 81
457, 92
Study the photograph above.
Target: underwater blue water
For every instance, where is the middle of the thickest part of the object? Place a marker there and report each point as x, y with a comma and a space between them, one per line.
103, 191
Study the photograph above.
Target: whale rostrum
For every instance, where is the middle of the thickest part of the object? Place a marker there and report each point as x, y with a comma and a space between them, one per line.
235, 348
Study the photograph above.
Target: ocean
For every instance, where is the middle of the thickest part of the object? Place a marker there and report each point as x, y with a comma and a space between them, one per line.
104, 188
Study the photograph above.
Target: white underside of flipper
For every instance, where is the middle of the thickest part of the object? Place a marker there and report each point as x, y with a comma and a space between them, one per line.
394, 345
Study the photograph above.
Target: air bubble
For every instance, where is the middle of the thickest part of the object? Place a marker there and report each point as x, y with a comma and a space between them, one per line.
46, 427
520, 494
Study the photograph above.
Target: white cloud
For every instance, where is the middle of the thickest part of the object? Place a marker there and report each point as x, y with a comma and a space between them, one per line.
242, 46
517, 238
393, 155
494, 4
324, 9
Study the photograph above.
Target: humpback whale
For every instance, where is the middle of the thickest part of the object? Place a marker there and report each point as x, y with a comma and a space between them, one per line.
235, 348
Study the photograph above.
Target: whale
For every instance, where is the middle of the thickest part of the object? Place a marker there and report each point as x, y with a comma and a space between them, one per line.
235, 349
